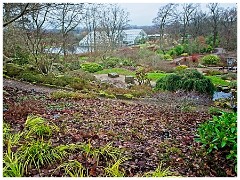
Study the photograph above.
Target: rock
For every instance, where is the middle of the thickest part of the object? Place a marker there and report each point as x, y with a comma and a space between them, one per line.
113, 75
129, 79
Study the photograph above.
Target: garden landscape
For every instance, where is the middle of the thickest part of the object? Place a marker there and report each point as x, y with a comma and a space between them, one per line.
87, 94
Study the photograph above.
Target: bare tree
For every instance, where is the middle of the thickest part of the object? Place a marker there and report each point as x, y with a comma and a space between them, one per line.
186, 17
214, 20
92, 23
66, 17
198, 26
35, 36
164, 17
228, 29
113, 20
10, 9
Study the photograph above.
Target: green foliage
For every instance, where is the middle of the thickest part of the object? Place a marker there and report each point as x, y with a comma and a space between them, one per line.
111, 62
233, 84
20, 57
181, 67
31, 77
172, 53
220, 133
73, 168
107, 95
212, 72
75, 65
184, 54
189, 80
71, 95
13, 70
12, 165
210, 59
114, 170
39, 153
215, 111
91, 67
159, 172
179, 50
128, 96
39, 127
128, 62
167, 57
82, 75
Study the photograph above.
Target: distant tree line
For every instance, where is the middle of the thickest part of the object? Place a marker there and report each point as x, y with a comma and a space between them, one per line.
26, 26
183, 21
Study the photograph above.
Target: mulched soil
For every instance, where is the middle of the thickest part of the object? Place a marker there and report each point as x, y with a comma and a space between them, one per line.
149, 133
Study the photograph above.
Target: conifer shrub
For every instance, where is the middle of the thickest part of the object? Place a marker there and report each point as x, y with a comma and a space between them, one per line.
187, 80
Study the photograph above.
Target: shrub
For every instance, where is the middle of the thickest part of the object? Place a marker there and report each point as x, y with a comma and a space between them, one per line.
30, 77
179, 49
91, 67
13, 70
210, 59
111, 62
181, 67
220, 133
167, 57
20, 57
73, 65
189, 80
82, 74
71, 95
212, 72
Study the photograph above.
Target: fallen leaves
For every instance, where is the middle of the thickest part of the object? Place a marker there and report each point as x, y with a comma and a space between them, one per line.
149, 133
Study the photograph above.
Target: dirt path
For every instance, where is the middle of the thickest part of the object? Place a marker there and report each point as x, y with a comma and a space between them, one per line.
27, 86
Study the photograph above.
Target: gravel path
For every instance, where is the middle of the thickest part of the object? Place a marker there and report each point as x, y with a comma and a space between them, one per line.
27, 86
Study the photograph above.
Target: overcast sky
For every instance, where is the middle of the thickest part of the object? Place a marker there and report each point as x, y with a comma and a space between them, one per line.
143, 13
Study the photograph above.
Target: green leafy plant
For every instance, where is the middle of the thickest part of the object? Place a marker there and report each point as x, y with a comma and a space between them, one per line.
114, 170
159, 172
109, 152
73, 168
38, 153
13, 70
12, 165
91, 67
38, 126
220, 133
167, 57
210, 59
